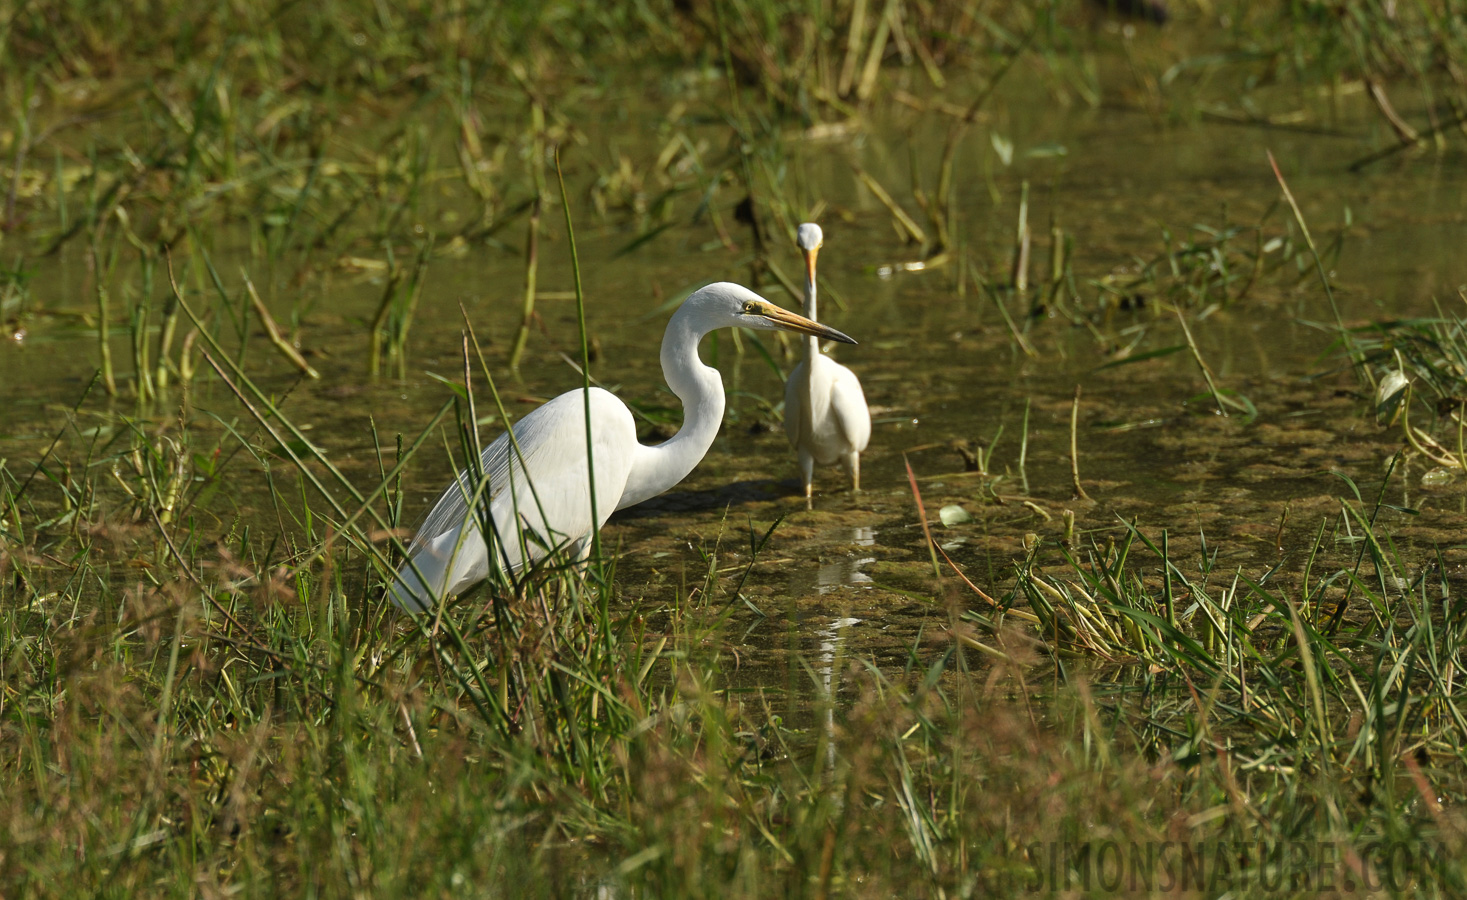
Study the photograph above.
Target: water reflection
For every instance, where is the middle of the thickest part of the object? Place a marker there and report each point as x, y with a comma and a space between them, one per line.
846, 570
842, 572
830, 641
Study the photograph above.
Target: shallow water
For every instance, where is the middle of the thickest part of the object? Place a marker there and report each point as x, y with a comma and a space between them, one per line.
852, 579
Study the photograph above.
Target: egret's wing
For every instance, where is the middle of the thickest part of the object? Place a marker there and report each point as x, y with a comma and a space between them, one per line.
848, 404
448, 551
547, 495
452, 509
538, 495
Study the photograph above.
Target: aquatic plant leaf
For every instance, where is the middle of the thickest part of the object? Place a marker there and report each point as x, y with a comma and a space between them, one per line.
1141, 357
953, 515
641, 239
655, 413
1003, 147
298, 447
454, 386
1392, 384
204, 464
1047, 151
753, 339
1390, 394
1348, 480
1238, 402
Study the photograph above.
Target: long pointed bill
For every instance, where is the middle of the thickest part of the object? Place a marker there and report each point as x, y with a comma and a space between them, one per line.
810, 264
784, 319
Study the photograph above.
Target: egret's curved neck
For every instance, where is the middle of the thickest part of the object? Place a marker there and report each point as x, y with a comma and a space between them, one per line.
700, 388
812, 343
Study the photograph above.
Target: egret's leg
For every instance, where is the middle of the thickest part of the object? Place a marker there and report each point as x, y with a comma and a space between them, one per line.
853, 465
807, 473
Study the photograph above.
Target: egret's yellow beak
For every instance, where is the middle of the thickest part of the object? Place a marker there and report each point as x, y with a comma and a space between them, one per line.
785, 320
810, 264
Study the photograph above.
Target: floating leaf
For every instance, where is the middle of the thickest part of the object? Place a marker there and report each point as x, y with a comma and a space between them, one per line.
1437, 477
953, 515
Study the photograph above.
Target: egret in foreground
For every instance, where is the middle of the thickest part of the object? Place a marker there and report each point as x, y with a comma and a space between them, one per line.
538, 491
825, 412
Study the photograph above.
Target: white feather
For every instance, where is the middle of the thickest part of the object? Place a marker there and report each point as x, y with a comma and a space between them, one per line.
825, 412
538, 497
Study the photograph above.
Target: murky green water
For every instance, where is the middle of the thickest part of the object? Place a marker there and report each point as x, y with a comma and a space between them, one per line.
852, 578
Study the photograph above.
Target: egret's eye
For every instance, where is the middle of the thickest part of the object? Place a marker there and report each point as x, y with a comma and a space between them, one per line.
751, 308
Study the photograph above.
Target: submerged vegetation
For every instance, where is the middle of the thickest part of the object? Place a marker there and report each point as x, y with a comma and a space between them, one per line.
263, 267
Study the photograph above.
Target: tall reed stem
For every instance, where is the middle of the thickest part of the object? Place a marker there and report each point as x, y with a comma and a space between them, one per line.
99, 281
532, 239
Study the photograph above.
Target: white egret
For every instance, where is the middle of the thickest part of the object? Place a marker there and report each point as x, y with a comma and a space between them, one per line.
542, 502
825, 412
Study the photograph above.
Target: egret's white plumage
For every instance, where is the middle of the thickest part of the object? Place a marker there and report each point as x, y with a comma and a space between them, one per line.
825, 412
538, 496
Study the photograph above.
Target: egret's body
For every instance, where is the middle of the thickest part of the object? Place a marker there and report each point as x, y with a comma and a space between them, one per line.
539, 496
825, 412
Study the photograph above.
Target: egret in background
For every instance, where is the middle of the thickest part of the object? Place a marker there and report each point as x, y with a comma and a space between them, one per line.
825, 412
538, 493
